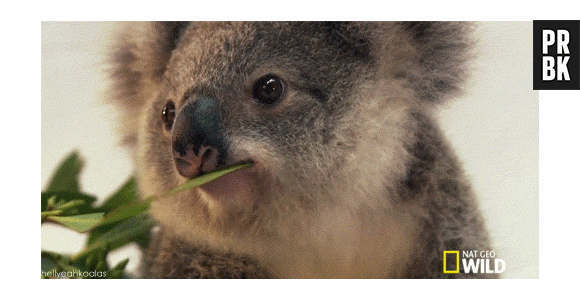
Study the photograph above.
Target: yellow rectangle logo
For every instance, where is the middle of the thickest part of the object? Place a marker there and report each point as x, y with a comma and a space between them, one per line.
445, 253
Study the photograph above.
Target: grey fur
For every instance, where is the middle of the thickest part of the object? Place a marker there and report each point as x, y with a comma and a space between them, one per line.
355, 179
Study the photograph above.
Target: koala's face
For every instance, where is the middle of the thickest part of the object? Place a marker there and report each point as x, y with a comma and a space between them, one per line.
321, 110
278, 95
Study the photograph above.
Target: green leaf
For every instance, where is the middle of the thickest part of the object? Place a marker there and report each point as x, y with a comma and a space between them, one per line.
52, 262
195, 182
50, 203
80, 223
121, 265
66, 177
125, 195
141, 239
123, 204
126, 218
136, 208
124, 212
119, 270
70, 268
69, 205
46, 214
47, 262
120, 234
66, 197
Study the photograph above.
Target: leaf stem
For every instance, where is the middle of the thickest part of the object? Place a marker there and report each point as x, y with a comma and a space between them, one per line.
45, 214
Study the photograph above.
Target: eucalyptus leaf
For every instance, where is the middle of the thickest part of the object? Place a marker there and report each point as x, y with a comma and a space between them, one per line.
136, 208
195, 182
118, 271
46, 214
125, 195
66, 176
47, 263
121, 265
124, 212
121, 234
80, 223
97, 231
65, 197
52, 262
68, 206
121, 219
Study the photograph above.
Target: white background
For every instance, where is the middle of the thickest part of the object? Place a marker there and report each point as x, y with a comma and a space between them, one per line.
493, 127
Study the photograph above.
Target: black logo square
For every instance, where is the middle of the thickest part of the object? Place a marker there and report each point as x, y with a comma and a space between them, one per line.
556, 55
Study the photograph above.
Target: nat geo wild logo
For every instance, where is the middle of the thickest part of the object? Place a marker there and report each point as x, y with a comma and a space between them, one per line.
472, 261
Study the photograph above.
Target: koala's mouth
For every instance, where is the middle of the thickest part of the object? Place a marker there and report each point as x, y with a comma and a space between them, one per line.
207, 164
223, 170
238, 187
193, 160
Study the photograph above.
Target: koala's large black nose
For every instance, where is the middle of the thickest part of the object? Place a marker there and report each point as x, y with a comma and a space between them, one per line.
199, 143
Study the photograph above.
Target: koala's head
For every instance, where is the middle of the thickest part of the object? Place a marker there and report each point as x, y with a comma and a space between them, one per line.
322, 110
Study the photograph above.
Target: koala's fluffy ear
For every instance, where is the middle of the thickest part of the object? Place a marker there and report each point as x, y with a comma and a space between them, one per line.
139, 58
443, 51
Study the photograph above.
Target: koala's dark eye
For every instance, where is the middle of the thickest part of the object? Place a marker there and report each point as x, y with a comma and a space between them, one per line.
269, 89
168, 114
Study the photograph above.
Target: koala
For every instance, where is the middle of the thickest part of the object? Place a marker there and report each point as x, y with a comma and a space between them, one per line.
351, 177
